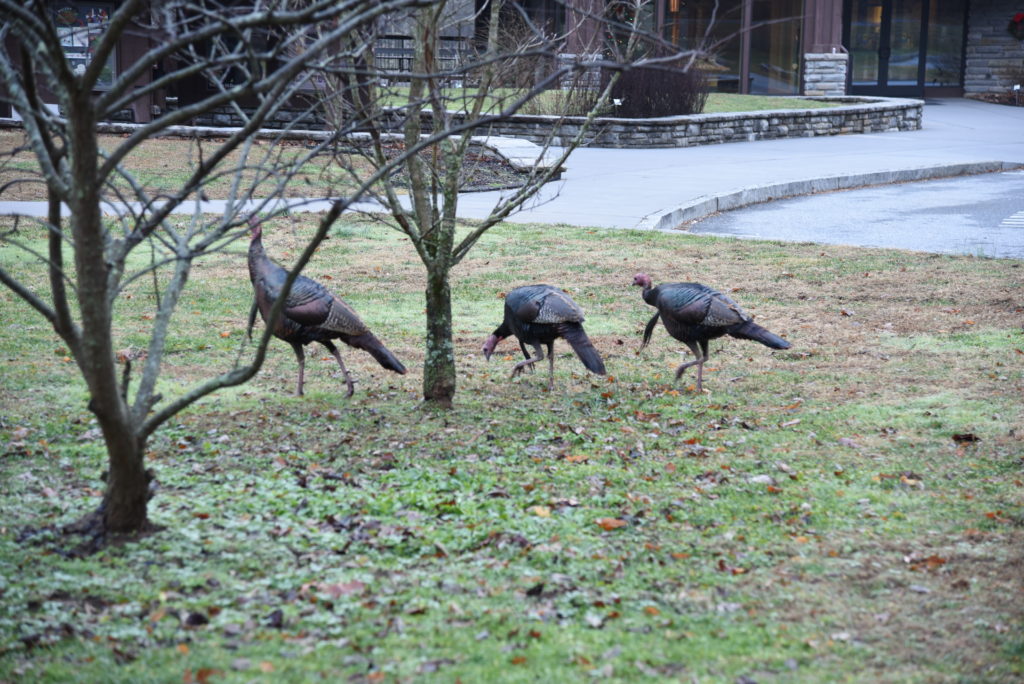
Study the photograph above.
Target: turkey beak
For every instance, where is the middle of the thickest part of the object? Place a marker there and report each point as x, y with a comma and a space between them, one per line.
489, 346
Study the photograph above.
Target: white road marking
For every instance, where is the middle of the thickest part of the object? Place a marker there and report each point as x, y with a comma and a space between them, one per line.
1013, 221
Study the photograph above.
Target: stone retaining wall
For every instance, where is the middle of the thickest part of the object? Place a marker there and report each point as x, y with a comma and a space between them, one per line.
855, 115
224, 117
994, 58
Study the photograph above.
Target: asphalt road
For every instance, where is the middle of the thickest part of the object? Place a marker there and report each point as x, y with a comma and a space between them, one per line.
981, 215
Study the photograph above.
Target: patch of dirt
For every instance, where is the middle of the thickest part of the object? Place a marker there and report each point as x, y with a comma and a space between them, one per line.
83, 537
481, 171
1014, 99
484, 172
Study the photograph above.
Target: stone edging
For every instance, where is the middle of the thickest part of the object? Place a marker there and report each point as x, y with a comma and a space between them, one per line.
700, 207
855, 115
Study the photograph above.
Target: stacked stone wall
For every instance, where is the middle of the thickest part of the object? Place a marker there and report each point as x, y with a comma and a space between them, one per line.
994, 59
854, 115
825, 74
227, 117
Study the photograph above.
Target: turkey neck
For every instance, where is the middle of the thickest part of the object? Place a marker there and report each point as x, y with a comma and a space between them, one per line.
257, 256
502, 331
650, 295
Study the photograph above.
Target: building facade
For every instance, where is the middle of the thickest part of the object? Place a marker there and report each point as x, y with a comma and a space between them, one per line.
901, 48
906, 48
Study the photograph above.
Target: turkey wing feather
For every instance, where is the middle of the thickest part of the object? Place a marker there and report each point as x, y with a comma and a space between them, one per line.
558, 307
724, 312
343, 319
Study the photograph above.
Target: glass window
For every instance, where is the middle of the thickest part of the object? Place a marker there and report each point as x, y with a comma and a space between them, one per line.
694, 24
865, 38
775, 47
905, 42
547, 15
79, 25
714, 25
725, 54
945, 43
621, 15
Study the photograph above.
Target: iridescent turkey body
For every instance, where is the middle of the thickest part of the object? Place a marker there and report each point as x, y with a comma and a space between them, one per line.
538, 315
695, 314
312, 313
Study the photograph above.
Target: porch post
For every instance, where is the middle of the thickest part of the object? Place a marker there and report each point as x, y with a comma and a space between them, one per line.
826, 61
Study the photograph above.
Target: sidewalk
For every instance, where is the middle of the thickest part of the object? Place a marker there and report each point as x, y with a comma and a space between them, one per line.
661, 188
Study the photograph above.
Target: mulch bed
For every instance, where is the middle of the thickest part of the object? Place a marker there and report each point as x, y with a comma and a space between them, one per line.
1014, 99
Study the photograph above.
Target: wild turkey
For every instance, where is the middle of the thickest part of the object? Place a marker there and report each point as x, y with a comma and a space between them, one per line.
694, 314
539, 314
311, 314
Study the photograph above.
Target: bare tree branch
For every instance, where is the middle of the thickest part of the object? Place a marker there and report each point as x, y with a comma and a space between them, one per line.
252, 62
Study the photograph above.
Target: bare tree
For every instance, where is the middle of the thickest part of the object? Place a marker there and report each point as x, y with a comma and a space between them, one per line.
445, 105
244, 59
250, 61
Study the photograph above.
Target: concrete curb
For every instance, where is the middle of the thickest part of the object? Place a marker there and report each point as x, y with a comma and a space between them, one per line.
522, 155
673, 219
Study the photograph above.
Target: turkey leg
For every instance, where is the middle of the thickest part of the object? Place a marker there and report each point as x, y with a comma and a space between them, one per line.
698, 362
528, 363
551, 366
526, 354
337, 357
301, 356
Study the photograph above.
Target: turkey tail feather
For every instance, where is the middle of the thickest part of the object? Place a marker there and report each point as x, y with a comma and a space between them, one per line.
648, 331
368, 342
577, 338
752, 331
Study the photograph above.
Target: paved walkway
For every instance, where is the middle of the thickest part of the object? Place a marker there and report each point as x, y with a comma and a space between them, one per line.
661, 188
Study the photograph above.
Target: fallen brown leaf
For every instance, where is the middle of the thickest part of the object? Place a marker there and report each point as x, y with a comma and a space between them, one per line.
610, 524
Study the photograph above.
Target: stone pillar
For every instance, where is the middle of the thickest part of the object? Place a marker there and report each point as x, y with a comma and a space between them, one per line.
825, 73
581, 73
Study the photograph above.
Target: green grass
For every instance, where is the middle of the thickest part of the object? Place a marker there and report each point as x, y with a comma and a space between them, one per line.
810, 518
548, 102
164, 165
725, 102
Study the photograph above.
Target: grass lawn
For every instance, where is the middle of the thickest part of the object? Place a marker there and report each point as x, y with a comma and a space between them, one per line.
725, 102
552, 102
847, 510
163, 165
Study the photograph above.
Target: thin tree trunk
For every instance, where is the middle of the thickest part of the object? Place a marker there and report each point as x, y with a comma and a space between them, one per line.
124, 502
439, 368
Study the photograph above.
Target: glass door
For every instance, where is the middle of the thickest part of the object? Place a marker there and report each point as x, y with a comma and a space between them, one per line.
906, 40
887, 39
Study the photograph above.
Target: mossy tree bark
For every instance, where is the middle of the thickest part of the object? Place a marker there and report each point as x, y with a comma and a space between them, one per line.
439, 368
